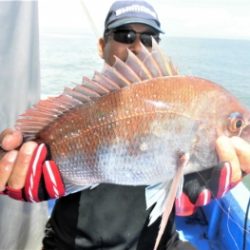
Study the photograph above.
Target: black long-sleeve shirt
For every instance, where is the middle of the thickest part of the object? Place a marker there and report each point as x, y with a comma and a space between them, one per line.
108, 217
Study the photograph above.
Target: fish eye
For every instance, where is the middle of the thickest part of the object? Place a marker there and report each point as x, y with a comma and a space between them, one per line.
236, 122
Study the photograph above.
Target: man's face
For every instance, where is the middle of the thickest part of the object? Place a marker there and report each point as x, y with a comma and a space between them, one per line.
110, 47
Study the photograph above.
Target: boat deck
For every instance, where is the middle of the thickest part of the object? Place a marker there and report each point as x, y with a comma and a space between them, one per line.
195, 230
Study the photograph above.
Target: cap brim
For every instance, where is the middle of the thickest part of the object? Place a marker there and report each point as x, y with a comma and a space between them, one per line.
130, 20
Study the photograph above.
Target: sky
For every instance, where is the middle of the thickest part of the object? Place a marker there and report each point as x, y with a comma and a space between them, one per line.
191, 18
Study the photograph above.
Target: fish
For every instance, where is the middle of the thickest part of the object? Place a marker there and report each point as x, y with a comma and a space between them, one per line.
133, 122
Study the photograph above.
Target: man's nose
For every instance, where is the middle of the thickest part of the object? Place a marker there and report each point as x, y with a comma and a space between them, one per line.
135, 47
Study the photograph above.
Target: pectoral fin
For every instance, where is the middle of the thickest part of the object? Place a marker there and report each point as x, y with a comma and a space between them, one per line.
169, 202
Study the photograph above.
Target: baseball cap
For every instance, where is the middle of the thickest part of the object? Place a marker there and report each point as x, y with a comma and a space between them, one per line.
124, 12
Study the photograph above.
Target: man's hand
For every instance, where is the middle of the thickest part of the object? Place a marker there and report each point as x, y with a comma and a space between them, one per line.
14, 164
202, 187
236, 151
26, 174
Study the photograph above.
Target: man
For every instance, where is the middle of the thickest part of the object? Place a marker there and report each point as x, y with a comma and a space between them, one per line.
112, 216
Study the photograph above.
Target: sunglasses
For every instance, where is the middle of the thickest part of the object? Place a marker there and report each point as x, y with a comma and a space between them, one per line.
129, 37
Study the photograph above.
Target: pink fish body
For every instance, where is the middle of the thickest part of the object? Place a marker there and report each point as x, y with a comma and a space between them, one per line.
129, 124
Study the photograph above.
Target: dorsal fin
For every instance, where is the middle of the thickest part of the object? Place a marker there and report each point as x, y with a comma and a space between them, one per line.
95, 86
111, 73
126, 70
105, 81
146, 65
148, 60
137, 65
164, 63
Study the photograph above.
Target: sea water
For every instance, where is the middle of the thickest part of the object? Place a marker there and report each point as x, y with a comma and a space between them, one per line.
66, 57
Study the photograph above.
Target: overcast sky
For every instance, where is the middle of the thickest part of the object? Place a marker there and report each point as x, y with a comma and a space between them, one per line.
199, 18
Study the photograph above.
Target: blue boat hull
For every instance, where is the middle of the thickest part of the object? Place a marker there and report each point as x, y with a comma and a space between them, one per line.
221, 225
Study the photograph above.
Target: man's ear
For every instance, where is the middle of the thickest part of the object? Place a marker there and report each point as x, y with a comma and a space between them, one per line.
101, 45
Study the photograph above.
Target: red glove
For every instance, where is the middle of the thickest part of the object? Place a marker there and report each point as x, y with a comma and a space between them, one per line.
202, 187
43, 180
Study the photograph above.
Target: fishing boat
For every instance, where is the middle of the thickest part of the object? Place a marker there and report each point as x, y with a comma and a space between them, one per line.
221, 225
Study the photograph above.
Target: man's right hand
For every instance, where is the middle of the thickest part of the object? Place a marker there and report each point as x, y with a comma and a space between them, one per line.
25, 172
15, 163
